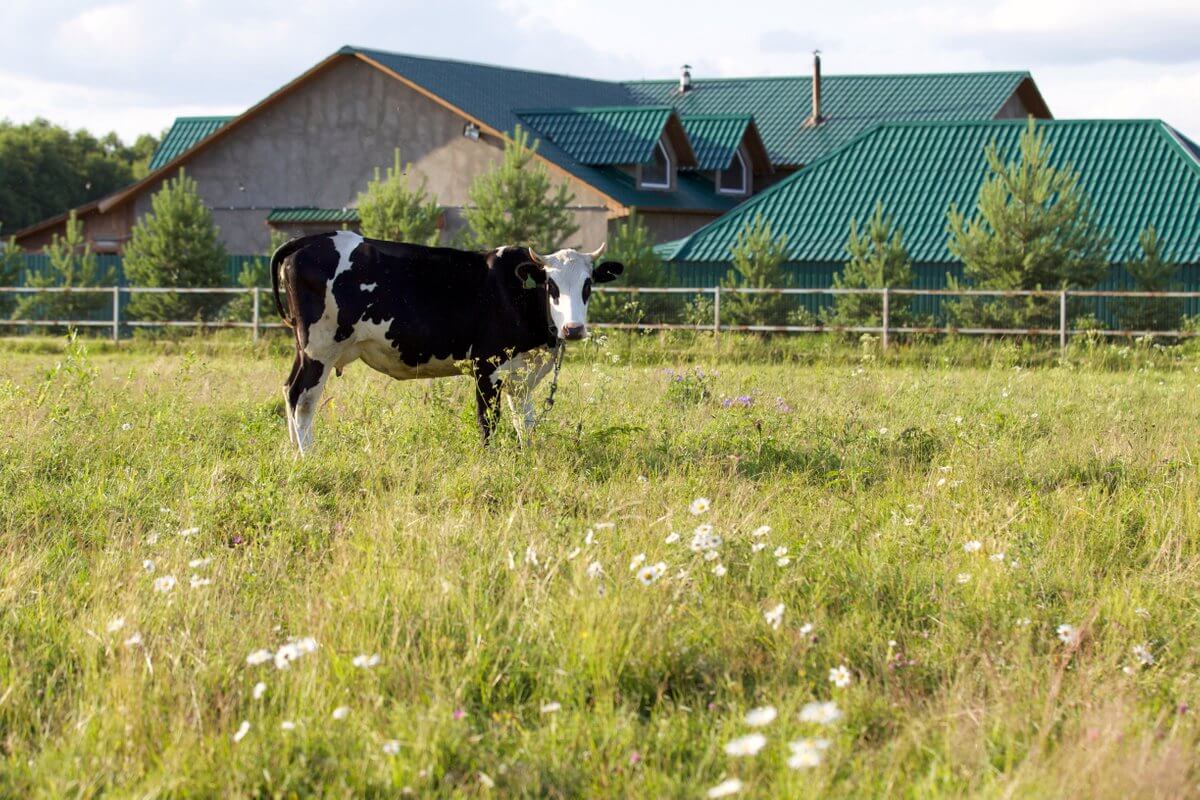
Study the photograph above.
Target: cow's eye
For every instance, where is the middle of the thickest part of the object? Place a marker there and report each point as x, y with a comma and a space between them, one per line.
552, 289
587, 289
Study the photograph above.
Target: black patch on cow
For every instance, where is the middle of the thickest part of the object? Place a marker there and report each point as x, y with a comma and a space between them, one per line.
587, 290
306, 377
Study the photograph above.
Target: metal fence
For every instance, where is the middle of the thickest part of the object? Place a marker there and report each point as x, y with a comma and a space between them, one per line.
807, 311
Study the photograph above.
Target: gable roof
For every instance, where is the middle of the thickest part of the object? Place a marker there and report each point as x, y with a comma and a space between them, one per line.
611, 135
185, 132
716, 137
850, 104
1136, 173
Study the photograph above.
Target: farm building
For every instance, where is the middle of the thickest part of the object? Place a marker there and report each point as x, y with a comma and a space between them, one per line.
1135, 172
680, 152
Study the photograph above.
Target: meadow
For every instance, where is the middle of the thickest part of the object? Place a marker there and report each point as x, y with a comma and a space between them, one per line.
763, 568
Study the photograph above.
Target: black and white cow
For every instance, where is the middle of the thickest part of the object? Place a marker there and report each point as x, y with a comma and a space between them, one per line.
428, 312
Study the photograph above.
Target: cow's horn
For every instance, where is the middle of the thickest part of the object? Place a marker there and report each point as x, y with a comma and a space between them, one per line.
536, 258
599, 251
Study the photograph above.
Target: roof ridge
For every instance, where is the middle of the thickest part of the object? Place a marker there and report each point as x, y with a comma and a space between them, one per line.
350, 49
827, 76
581, 109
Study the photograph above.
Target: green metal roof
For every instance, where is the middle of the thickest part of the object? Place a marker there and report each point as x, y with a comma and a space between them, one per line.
310, 214
715, 137
1136, 173
850, 104
594, 136
184, 132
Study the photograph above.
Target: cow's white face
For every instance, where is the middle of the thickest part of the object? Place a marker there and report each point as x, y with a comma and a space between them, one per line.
569, 276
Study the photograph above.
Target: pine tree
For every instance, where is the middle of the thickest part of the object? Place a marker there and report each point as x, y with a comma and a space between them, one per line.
758, 258
72, 264
1153, 272
255, 272
12, 258
393, 210
513, 202
175, 245
1034, 228
630, 243
878, 259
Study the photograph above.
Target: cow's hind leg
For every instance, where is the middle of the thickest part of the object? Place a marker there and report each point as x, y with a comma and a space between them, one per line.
303, 394
487, 403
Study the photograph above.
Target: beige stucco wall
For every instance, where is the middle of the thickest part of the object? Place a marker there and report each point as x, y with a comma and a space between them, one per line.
319, 147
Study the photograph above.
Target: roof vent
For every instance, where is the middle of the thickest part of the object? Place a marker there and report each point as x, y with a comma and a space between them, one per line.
685, 78
816, 117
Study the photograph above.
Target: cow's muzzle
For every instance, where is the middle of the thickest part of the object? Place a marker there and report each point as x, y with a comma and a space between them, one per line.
573, 333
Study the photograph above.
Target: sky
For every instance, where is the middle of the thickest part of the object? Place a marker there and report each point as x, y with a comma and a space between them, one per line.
134, 66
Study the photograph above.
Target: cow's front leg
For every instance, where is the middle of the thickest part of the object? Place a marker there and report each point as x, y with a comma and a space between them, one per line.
521, 392
487, 401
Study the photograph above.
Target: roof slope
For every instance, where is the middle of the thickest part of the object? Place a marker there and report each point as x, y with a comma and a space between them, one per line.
715, 137
1136, 172
184, 133
850, 104
613, 135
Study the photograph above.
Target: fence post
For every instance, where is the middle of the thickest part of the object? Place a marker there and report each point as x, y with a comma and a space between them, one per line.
1062, 320
887, 319
716, 312
255, 319
116, 313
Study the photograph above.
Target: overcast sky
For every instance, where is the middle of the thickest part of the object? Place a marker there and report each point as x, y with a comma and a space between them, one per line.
134, 66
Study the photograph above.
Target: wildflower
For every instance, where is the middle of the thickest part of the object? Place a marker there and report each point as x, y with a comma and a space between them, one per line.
941, 482
196, 581
672, 538
840, 676
259, 657
571, 556
242, 730
1014, 564
531, 556
594, 570
589, 538
637, 561
774, 617
1067, 634
486, 781
962, 577
287, 725
126, 426
719, 570
292, 650
1142, 653
806, 629
973, 546
725, 788
365, 661
780, 551
807, 753
259, 690
758, 547
199, 563
115, 624
759, 717
1141, 612
165, 584
651, 572
997, 557
748, 745
821, 713
550, 708
711, 555
883, 431
761, 531
148, 565
1129, 670
134, 641
391, 747
458, 713
699, 506
1024, 622
341, 712
189, 532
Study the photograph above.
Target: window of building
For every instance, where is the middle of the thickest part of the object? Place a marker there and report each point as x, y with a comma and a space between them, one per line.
656, 173
735, 179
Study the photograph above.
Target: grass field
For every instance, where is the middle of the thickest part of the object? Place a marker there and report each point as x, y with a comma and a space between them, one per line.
518, 652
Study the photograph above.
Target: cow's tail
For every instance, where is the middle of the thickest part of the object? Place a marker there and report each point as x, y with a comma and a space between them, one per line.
282, 252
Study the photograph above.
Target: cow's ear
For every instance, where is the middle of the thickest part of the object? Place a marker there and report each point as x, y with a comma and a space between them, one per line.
530, 274
608, 271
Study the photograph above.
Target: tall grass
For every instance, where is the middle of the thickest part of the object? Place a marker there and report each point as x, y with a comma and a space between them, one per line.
468, 571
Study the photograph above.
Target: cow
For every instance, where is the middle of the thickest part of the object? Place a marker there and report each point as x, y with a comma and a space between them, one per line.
410, 311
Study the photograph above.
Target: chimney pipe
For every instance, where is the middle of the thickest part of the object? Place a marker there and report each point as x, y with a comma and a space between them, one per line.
685, 78
816, 117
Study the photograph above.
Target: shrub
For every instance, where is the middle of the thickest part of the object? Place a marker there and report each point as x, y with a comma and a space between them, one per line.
394, 210
758, 263
878, 259
72, 264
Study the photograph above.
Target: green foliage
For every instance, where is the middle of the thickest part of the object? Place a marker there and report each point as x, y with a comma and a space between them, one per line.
256, 272
72, 264
758, 258
1153, 272
12, 260
1033, 229
393, 210
631, 244
878, 259
514, 203
175, 244
46, 169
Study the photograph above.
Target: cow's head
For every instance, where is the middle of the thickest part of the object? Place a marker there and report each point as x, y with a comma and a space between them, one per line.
568, 276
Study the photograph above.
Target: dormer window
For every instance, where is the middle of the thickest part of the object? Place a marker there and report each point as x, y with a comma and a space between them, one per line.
656, 173
735, 179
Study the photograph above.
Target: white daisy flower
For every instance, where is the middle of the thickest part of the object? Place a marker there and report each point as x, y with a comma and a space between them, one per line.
806, 629
840, 676
997, 557
821, 713
758, 547
115, 624
594, 570
196, 581
725, 788
807, 753
711, 555
165, 584
551, 707
672, 538
761, 531
1142, 653
148, 565
780, 551
199, 563
341, 712
774, 616
651, 572
783, 562
287, 725
486, 781
748, 745
259, 657
973, 546
590, 537
391, 747
259, 690
941, 481
699, 506
531, 556
242, 730
719, 570
1067, 633
189, 531
760, 717
365, 661
883, 431
962, 577
637, 561
134, 641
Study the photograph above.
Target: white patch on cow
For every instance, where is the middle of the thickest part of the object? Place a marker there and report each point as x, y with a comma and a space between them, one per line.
569, 269
346, 242
367, 287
